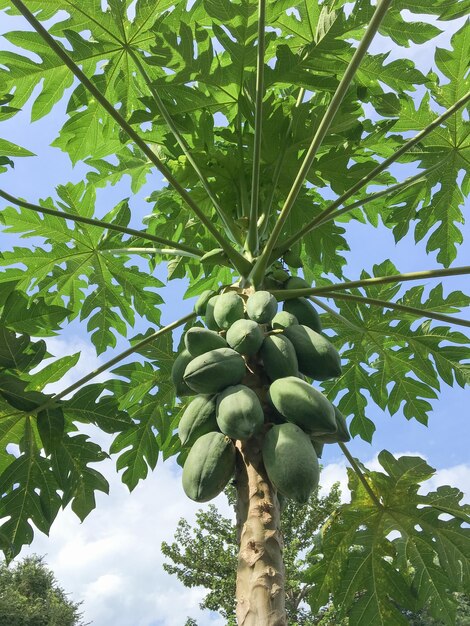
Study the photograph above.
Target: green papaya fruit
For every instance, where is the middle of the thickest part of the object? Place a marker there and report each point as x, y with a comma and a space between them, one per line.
245, 336
177, 372
201, 302
342, 433
261, 307
296, 282
270, 283
290, 461
280, 275
198, 419
209, 315
318, 447
199, 340
208, 467
283, 319
213, 371
279, 357
229, 307
304, 311
293, 256
303, 405
239, 412
282, 501
317, 357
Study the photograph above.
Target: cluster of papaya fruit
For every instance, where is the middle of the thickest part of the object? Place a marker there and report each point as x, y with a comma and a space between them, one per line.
247, 368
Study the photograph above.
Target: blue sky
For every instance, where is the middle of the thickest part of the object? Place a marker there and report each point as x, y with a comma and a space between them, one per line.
117, 548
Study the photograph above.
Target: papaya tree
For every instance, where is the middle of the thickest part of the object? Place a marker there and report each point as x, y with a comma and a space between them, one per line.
276, 127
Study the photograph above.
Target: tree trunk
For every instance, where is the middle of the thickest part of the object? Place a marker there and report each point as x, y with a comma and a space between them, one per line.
260, 572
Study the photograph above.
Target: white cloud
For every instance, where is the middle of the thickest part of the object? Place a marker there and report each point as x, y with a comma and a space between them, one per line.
112, 562
87, 363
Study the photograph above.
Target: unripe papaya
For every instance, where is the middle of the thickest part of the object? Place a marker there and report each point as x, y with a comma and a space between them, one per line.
229, 307
209, 466
317, 357
318, 447
290, 461
303, 405
201, 302
213, 371
261, 307
200, 340
198, 419
296, 282
342, 432
283, 319
293, 256
275, 279
280, 275
209, 315
177, 373
270, 283
279, 357
245, 336
304, 311
239, 412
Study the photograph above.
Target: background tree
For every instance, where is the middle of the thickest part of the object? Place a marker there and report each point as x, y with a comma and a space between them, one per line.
31, 596
269, 123
206, 555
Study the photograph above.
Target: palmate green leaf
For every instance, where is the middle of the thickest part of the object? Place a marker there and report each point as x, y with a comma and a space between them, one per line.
399, 363
81, 269
438, 199
145, 418
87, 132
29, 495
78, 481
402, 555
31, 315
36, 484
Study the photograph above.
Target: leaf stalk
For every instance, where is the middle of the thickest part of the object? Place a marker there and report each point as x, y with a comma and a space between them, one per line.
262, 262
229, 224
252, 237
360, 475
162, 251
369, 177
287, 294
417, 312
119, 357
189, 250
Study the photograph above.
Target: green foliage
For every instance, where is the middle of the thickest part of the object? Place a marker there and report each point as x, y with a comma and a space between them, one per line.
31, 596
405, 553
196, 67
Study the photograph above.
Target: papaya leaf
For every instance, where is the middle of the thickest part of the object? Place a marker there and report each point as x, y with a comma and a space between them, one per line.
402, 555
389, 358
81, 269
